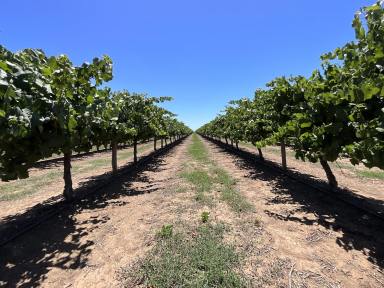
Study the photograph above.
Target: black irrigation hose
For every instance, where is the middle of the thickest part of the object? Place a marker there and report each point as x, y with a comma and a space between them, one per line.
341, 195
57, 207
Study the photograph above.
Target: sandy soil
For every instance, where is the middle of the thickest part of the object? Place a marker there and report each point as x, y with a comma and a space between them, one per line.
293, 237
52, 191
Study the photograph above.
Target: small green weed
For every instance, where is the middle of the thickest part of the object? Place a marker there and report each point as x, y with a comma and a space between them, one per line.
205, 217
165, 232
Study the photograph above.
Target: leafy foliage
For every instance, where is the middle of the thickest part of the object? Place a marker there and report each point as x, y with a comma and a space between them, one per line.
45, 106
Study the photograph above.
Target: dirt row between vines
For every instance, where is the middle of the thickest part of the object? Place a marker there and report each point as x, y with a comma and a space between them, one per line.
291, 237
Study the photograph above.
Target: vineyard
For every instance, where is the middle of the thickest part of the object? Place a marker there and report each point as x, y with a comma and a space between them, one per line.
107, 188
337, 112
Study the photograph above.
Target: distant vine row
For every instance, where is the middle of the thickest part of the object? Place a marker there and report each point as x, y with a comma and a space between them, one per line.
50, 106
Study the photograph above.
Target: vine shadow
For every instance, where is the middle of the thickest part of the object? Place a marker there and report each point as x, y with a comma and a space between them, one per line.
360, 230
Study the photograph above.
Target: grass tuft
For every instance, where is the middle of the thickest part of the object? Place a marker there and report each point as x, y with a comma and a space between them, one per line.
229, 193
204, 217
202, 182
166, 231
184, 261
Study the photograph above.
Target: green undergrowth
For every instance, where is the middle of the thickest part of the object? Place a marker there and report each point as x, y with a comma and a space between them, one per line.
201, 181
21, 188
199, 259
204, 182
196, 174
359, 172
229, 193
207, 174
371, 174
91, 164
197, 150
276, 150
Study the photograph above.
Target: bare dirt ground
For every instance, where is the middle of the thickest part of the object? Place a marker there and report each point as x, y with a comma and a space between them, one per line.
348, 176
292, 237
46, 182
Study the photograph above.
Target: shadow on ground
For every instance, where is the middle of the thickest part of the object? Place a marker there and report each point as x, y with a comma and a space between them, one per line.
59, 160
360, 230
59, 242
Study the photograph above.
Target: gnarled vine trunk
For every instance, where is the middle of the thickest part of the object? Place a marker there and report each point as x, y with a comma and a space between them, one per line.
68, 189
114, 157
154, 144
260, 154
283, 154
135, 150
330, 176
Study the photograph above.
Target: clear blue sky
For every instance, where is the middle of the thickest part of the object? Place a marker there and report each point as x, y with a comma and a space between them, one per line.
201, 52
